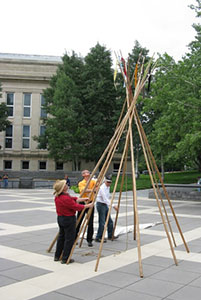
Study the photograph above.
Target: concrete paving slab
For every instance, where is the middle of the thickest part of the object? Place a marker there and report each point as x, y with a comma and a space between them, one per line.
53, 296
6, 264
190, 266
4, 280
88, 290
176, 275
116, 279
186, 293
23, 272
154, 287
129, 295
148, 270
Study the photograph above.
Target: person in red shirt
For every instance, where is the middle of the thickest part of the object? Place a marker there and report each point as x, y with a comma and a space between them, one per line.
66, 207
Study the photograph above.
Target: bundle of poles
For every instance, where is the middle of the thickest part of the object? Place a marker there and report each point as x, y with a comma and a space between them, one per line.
124, 127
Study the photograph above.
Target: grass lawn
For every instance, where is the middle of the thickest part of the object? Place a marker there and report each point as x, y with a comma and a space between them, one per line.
144, 181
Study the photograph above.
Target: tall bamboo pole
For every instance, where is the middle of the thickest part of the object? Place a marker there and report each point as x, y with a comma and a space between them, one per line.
120, 192
153, 172
154, 188
113, 194
164, 189
136, 219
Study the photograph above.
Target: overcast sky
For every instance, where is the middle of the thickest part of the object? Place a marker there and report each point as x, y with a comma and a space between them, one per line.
52, 27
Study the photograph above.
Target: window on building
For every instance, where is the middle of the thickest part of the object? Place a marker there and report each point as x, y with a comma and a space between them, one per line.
116, 167
25, 165
7, 164
43, 142
26, 137
10, 104
42, 165
27, 105
76, 166
42, 129
43, 112
59, 166
9, 136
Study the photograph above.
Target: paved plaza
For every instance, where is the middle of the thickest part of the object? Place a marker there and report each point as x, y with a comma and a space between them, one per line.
28, 226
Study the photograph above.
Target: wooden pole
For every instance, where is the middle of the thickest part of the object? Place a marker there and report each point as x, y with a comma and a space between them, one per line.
165, 191
154, 188
113, 194
136, 219
120, 192
154, 176
53, 242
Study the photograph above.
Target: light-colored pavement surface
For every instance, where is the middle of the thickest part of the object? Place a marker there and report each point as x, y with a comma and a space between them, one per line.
28, 226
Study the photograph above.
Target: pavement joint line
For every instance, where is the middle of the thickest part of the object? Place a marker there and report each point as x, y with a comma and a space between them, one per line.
16, 229
26, 209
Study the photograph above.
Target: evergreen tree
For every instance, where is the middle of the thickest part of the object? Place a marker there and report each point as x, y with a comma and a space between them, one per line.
99, 101
133, 57
3, 114
65, 131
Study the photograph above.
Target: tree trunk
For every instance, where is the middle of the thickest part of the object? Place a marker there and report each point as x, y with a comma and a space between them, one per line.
198, 161
136, 163
162, 167
76, 163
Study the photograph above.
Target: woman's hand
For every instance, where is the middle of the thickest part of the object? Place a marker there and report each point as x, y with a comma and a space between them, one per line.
89, 205
82, 200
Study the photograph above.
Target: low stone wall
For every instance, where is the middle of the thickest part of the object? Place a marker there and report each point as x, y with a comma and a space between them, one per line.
180, 193
43, 184
12, 184
33, 183
43, 175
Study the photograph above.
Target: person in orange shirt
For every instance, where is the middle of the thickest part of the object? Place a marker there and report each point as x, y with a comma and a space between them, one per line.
81, 186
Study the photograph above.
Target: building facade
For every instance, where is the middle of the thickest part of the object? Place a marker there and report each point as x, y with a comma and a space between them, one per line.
23, 79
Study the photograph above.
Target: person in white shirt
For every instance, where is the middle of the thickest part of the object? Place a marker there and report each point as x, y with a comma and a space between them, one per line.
102, 205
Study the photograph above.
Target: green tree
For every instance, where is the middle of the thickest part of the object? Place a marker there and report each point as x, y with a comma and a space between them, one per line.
99, 101
65, 131
174, 108
133, 58
3, 114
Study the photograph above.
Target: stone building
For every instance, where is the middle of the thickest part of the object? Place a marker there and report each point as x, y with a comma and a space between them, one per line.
23, 79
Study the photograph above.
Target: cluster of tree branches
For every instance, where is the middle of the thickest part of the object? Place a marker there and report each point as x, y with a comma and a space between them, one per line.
174, 108
3, 114
81, 102
84, 106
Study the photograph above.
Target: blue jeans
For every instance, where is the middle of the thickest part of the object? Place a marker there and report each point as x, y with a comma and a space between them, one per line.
5, 183
102, 215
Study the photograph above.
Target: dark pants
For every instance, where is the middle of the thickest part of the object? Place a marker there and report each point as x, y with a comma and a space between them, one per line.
90, 229
102, 215
67, 231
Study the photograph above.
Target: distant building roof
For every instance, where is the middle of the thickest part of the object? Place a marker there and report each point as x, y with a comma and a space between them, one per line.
47, 58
